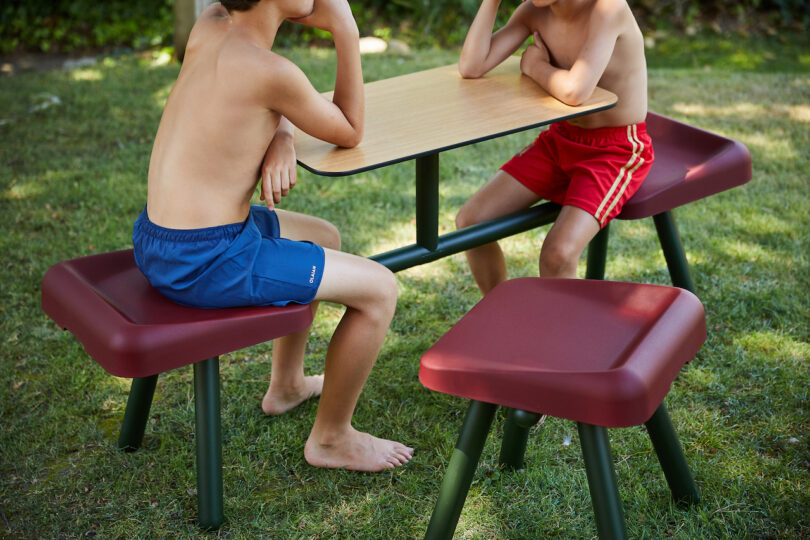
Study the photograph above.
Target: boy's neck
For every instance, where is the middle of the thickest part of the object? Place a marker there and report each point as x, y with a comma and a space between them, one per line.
260, 24
568, 9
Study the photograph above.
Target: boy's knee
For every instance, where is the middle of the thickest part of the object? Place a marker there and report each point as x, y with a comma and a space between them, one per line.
331, 236
385, 293
467, 216
326, 235
390, 288
557, 259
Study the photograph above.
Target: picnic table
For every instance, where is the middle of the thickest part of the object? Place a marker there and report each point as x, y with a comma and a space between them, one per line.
420, 115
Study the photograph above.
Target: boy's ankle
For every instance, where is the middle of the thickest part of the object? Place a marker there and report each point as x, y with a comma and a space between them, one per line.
329, 436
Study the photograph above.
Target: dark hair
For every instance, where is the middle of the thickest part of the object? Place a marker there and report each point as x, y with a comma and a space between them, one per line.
238, 5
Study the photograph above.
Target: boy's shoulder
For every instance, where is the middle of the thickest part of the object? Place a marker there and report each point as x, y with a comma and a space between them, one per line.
236, 55
612, 9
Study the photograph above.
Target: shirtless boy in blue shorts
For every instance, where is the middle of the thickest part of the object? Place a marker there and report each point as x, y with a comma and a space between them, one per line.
590, 165
228, 120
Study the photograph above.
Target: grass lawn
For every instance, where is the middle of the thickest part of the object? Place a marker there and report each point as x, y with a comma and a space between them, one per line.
73, 179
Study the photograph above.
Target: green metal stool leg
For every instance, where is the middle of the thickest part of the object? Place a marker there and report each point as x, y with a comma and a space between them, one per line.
209, 443
597, 254
673, 251
607, 506
671, 457
137, 412
515, 435
460, 470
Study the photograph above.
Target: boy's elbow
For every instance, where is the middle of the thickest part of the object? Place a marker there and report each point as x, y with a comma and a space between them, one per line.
352, 139
572, 100
469, 72
574, 95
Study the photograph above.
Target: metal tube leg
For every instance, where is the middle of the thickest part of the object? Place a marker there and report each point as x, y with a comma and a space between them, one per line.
670, 455
209, 443
427, 201
137, 412
607, 506
515, 435
597, 254
673, 251
460, 470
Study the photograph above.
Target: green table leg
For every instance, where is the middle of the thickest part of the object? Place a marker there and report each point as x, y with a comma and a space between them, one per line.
597, 254
460, 470
673, 251
137, 412
209, 443
607, 506
670, 455
515, 435
427, 201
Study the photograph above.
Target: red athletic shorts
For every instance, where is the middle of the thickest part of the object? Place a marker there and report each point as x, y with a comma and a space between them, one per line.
596, 170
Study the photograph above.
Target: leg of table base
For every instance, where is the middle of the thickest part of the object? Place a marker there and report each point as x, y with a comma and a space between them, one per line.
460, 470
597, 254
515, 435
209, 443
137, 412
673, 251
607, 506
670, 455
427, 201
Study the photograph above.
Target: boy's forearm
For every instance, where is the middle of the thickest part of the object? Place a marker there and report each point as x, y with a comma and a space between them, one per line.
560, 83
478, 41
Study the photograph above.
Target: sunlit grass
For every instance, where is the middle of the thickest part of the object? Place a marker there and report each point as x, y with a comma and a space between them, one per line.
73, 180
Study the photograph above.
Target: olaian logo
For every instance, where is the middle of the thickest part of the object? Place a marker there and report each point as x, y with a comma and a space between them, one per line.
312, 275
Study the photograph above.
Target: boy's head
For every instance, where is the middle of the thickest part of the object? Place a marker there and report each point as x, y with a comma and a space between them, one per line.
238, 5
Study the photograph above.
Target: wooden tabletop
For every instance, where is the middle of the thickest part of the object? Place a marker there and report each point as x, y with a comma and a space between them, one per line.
434, 110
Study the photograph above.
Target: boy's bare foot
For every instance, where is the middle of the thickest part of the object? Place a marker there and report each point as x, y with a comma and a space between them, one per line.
357, 451
280, 401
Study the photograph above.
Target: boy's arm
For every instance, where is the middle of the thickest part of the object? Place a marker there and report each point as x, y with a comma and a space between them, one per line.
340, 121
279, 169
484, 50
575, 85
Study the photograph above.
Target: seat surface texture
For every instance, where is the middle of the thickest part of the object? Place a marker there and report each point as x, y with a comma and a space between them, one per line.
600, 352
690, 164
134, 331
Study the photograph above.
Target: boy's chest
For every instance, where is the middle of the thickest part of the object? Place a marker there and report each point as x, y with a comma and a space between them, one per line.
564, 44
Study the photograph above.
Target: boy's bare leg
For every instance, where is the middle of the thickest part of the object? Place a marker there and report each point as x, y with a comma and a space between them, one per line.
288, 385
369, 292
500, 196
564, 243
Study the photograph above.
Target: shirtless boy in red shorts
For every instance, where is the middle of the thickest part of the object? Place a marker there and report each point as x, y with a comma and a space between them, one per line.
590, 165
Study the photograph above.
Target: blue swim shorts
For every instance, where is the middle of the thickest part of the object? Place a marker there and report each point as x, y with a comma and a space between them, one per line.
241, 264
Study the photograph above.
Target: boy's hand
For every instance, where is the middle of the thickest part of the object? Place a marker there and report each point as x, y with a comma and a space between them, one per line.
279, 169
329, 15
534, 54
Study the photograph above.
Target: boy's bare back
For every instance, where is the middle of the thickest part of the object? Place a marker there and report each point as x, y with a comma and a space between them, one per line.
226, 106
579, 44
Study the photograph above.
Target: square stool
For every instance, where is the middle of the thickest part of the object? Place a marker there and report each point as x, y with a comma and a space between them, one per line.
690, 164
132, 330
600, 353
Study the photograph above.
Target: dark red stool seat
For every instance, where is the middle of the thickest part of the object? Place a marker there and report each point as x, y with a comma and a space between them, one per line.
596, 352
690, 164
603, 354
132, 330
